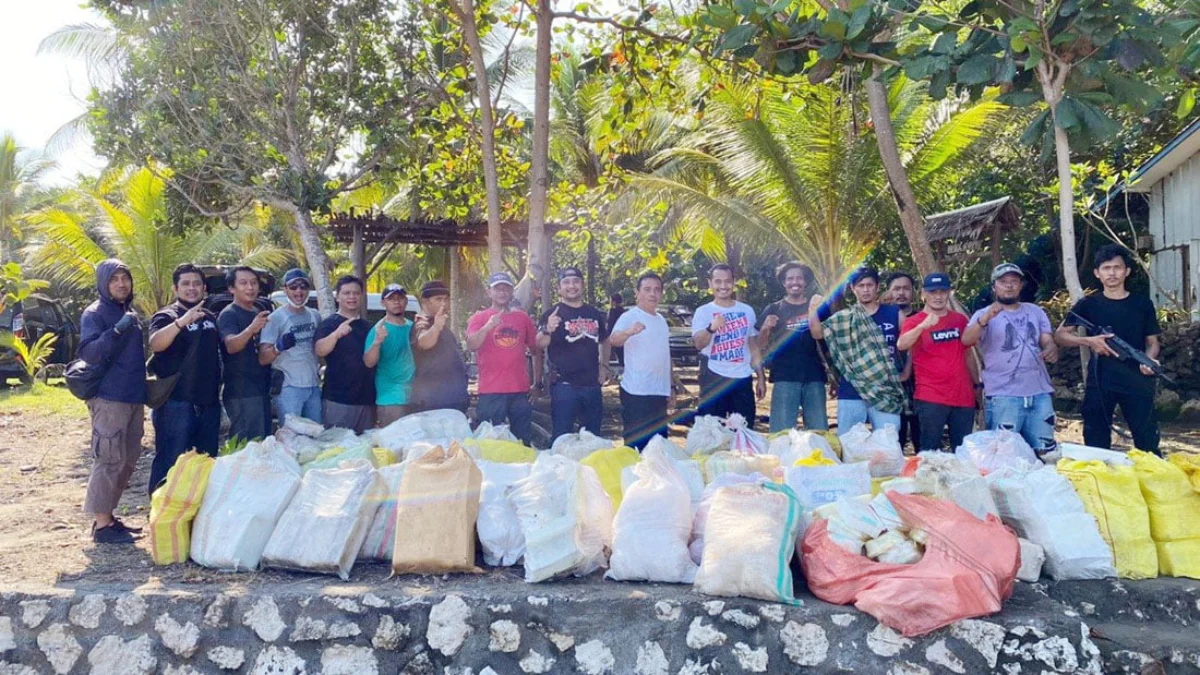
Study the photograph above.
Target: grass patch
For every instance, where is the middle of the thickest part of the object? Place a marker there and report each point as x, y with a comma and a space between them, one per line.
41, 398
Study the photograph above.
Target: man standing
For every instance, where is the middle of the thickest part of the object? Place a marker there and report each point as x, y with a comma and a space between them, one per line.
441, 376
287, 346
862, 345
942, 366
724, 331
1112, 382
1015, 343
247, 394
646, 380
901, 290
616, 307
389, 352
110, 336
792, 354
576, 335
348, 396
500, 336
184, 339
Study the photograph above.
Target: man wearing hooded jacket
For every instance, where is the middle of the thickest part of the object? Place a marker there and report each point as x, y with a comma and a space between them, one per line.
110, 336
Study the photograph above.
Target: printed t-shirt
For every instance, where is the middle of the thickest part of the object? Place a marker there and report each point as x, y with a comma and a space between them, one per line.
575, 347
199, 378
299, 364
939, 361
502, 367
1011, 351
728, 351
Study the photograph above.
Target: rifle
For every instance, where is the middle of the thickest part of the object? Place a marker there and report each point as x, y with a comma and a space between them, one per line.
1124, 350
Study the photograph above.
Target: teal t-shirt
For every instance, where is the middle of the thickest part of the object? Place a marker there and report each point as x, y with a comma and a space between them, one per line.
395, 371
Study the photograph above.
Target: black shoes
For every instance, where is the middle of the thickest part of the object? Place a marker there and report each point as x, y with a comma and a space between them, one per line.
122, 526
112, 534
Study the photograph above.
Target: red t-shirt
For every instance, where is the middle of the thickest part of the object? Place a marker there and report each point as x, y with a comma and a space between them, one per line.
939, 362
502, 356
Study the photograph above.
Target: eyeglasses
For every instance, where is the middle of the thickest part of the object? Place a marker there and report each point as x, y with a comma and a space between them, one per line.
298, 287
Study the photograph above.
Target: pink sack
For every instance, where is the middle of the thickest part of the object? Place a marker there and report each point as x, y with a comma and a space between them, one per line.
967, 571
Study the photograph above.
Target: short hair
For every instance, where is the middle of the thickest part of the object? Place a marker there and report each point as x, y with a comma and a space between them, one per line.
348, 279
616, 297
901, 275
649, 275
185, 268
721, 267
231, 277
781, 272
864, 272
1109, 251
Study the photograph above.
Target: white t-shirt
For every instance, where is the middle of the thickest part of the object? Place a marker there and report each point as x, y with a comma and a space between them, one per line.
729, 350
647, 354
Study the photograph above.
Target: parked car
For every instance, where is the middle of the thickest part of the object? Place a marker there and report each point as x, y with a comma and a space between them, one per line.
30, 319
679, 321
218, 295
375, 310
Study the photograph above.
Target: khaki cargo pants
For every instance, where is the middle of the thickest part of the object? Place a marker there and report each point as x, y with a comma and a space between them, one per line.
116, 446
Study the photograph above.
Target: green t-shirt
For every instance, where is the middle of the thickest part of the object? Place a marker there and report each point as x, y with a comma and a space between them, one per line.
395, 371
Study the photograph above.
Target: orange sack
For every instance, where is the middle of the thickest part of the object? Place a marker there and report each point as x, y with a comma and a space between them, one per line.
967, 571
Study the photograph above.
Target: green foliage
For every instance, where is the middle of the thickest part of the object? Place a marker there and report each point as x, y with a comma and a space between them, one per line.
32, 357
42, 399
232, 445
14, 287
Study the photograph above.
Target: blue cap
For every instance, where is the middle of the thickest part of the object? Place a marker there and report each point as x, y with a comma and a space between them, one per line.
864, 272
500, 278
296, 274
937, 281
393, 288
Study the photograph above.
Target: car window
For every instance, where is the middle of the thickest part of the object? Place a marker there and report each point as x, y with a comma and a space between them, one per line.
6, 317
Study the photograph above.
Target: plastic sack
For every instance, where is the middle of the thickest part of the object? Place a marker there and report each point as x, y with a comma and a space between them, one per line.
174, 505
580, 445
707, 435
499, 450
381, 534
499, 432
1114, 498
745, 439
1042, 506
382, 457
793, 445
989, 451
608, 464
722, 462
304, 448
879, 448
1087, 453
690, 469
302, 425
942, 475
360, 451
246, 494
436, 510
1190, 464
336, 437
967, 571
652, 525
498, 527
323, 527
749, 541
1032, 559
817, 458
436, 425
671, 449
1174, 514
817, 485
700, 520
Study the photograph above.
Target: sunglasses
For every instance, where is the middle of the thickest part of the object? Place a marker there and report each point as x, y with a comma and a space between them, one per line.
301, 285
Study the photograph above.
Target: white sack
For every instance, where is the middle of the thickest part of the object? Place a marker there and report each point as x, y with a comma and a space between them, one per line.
499, 432
652, 526
422, 426
381, 535
669, 447
580, 445
991, 451
302, 425
745, 439
879, 448
700, 520
750, 538
722, 462
942, 475
798, 445
1032, 559
690, 469
1088, 453
707, 435
498, 526
817, 485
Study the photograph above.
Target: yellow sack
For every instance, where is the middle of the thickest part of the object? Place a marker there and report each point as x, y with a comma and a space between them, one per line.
504, 452
174, 505
329, 454
1174, 514
1112, 495
1190, 464
815, 459
608, 464
382, 457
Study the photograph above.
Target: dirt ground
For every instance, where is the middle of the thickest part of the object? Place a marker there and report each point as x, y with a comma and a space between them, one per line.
45, 539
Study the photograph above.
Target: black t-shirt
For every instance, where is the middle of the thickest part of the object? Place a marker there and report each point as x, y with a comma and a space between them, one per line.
575, 347
441, 377
793, 354
1133, 320
244, 376
347, 379
200, 376
614, 313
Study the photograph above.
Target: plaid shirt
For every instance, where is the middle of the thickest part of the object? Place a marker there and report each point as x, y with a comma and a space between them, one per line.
860, 354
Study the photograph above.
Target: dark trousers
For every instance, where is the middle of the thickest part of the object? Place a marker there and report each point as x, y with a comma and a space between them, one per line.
249, 418
511, 409
643, 417
180, 426
910, 423
569, 403
1099, 405
720, 396
934, 418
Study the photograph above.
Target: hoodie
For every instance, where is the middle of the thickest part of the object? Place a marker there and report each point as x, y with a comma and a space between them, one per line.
125, 379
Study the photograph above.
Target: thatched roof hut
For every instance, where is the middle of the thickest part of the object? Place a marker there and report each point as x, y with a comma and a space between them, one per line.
964, 234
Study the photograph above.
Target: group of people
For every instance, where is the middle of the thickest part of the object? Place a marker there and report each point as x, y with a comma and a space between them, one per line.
924, 372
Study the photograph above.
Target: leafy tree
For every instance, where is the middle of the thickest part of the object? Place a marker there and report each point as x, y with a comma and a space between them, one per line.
19, 174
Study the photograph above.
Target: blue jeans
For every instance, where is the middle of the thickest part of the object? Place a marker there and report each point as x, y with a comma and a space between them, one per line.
180, 426
511, 409
569, 402
789, 398
302, 401
1030, 416
856, 411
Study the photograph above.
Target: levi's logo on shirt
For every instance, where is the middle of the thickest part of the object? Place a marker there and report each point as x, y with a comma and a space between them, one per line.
947, 335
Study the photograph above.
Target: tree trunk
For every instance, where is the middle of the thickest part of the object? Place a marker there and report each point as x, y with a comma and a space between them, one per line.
318, 260
539, 163
902, 192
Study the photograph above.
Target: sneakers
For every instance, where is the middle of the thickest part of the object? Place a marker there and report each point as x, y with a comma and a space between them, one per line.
112, 534
122, 526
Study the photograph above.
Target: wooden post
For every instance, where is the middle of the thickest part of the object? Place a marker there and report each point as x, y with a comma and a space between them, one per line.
592, 264
452, 282
358, 258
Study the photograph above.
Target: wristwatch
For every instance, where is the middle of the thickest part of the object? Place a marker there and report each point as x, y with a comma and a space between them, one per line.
710, 330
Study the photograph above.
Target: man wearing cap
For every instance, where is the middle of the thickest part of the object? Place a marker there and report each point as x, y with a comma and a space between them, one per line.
348, 395
500, 336
1015, 342
724, 331
287, 346
945, 391
389, 352
441, 376
575, 335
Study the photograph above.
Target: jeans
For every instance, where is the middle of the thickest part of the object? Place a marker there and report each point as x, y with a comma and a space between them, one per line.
569, 402
511, 409
1030, 416
1099, 405
249, 418
935, 417
856, 411
643, 418
789, 398
302, 401
180, 426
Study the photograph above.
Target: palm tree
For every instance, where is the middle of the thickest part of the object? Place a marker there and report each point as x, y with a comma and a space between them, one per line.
125, 216
102, 51
19, 174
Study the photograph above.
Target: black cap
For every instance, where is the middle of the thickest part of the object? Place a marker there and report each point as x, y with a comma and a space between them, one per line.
434, 288
568, 272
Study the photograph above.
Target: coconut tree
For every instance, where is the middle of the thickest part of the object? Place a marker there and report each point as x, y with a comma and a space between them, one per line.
19, 174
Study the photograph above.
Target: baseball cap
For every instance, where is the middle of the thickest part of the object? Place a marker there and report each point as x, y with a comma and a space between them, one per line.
864, 272
296, 274
500, 278
1006, 268
937, 281
568, 272
434, 288
393, 288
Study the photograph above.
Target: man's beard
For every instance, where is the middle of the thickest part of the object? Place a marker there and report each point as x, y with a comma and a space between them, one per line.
1008, 301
